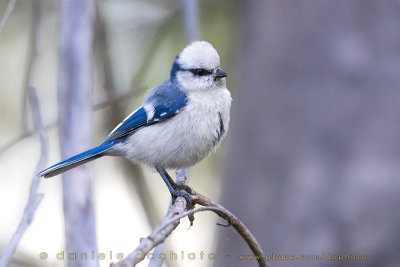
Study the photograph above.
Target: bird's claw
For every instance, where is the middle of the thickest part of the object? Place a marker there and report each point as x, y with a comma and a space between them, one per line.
186, 194
175, 194
187, 188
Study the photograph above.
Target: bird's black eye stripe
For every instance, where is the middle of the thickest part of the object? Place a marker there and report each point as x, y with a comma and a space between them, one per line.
200, 72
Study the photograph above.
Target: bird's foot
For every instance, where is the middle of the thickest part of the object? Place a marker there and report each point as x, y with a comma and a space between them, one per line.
187, 188
177, 190
182, 190
175, 194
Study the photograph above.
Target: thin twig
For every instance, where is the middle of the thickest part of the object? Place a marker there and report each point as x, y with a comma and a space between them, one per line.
33, 50
34, 198
171, 221
33, 99
236, 223
7, 13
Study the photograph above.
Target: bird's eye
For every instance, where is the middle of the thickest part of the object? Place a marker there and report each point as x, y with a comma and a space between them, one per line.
200, 72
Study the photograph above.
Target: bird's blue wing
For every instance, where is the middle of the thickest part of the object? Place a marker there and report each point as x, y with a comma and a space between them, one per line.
159, 107
133, 122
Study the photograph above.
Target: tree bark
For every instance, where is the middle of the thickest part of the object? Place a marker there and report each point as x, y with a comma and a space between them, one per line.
75, 120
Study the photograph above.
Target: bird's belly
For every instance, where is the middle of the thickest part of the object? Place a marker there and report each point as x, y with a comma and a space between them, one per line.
164, 145
181, 141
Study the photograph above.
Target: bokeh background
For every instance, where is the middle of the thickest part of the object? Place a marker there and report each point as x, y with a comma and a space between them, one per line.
311, 162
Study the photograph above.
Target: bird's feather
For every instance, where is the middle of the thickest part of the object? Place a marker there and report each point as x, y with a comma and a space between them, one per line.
77, 160
160, 106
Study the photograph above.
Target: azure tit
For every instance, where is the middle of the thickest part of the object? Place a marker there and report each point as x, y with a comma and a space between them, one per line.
181, 121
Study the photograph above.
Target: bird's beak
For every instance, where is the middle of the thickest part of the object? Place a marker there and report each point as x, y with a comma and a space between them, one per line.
220, 74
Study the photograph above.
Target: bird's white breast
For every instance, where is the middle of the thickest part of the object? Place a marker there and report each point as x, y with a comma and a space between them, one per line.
186, 138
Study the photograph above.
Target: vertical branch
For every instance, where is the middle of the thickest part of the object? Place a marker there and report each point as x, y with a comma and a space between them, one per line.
75, 118
181, 175
191, 20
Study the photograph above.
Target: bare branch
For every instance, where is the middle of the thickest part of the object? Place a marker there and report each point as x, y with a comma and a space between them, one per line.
75, 82
157, 261
156, 237
172, 220
7, 13
181, 175
236, 223
32, 53
34, 198
191, 20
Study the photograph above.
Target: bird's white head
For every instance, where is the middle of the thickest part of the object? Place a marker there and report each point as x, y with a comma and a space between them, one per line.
197, 68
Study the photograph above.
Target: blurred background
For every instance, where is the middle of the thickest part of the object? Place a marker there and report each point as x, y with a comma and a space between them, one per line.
311, 162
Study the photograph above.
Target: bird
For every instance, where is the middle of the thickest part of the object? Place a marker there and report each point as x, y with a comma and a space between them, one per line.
181, 121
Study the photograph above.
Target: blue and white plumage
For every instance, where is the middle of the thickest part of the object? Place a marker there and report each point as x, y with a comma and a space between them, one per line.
181, 122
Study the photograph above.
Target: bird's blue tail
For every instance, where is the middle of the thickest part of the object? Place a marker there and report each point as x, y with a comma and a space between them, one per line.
77, 160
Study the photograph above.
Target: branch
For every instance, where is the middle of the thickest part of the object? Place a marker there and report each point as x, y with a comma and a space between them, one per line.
191, 20
75, 82
32, 53
34, 198
7, 13
181, 175
236, 223
33, 99
158, 236
172, 220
